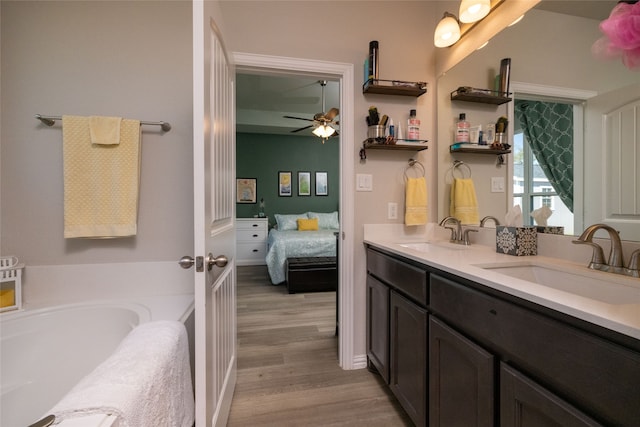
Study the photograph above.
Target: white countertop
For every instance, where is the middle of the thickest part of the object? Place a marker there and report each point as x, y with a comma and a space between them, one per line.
463, 261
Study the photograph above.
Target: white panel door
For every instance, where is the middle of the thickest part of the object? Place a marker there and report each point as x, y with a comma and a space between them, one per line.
214, 226
612, 161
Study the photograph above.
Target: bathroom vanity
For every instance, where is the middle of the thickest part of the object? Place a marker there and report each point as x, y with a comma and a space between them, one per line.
460, 344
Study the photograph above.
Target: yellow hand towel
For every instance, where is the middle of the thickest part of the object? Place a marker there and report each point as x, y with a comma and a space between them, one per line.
105, 130
416, 201
101, 182
464, 203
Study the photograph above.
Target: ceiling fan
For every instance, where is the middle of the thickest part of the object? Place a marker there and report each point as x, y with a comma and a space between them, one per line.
321, 121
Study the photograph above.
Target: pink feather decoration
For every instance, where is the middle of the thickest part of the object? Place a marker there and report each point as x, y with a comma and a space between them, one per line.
621, 36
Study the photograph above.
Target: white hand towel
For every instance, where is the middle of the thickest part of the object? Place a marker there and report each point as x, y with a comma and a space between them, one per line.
146, 382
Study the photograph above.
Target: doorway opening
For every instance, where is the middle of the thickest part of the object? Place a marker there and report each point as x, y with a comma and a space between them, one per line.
343, 74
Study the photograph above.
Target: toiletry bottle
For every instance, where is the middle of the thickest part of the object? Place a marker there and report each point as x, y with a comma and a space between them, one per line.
373, 60
462, 129
413, 127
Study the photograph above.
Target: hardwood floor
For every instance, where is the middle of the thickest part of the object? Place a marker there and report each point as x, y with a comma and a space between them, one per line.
288, 373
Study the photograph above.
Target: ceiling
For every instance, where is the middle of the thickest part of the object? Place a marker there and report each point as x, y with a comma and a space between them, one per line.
262, 100
595, 9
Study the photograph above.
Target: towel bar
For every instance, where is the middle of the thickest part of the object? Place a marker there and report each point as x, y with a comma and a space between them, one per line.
50, 121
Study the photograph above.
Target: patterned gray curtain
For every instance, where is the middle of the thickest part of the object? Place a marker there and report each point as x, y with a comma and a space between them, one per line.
548, 127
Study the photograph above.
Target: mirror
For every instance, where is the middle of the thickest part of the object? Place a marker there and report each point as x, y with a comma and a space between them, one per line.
550, 51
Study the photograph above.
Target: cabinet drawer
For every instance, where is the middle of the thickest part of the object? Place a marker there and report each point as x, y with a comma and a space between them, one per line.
251, 235
410, 280
251, 224
593, 373
255, 251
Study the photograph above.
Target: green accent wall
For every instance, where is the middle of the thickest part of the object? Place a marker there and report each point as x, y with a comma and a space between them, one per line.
262, 156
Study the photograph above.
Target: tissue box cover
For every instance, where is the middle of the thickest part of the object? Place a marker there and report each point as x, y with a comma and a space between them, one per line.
518, 241
548, 229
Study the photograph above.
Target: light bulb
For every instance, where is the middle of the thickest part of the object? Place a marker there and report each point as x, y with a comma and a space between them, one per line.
447, 31
474, 10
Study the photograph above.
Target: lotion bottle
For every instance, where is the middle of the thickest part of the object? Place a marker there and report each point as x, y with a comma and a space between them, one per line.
413, 127
462, 129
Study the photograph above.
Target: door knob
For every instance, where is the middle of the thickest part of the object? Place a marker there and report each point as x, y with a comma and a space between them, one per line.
187, 262
219, 261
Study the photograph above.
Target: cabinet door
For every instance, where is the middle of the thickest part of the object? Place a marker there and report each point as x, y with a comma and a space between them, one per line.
523, 403
461, 385
378, 326
408, 370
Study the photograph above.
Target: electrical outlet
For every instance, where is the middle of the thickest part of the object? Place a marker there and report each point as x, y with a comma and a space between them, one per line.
497, 184
392, 210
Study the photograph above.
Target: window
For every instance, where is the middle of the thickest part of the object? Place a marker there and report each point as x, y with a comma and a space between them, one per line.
531, 187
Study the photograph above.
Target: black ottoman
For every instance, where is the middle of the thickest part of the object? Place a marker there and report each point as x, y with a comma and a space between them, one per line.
311, 274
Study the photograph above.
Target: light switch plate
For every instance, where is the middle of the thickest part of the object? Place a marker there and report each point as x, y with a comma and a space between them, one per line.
364, 182
497, 184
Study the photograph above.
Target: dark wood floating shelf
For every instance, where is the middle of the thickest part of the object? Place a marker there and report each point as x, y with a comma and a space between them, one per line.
394, 87
483, 96
370, 144
478, 151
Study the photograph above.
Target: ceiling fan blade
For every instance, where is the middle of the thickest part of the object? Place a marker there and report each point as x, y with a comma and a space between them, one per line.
298, 118
303, 128
332, 113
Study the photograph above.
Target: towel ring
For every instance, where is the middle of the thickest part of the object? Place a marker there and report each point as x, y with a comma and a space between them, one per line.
456, 165
414, 164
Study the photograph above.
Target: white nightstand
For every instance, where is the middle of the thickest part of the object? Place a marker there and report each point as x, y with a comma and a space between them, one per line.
251, 239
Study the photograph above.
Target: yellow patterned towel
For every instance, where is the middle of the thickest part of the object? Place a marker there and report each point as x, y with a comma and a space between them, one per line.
464, 203
416, 201
105, 130
100, 181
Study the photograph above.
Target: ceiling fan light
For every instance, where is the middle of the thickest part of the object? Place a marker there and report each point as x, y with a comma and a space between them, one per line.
474, 10
324, 131
447, 31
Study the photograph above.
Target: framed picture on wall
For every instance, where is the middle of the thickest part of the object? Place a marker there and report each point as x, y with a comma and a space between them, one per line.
322, 185
304, 183
246, 190
284, 184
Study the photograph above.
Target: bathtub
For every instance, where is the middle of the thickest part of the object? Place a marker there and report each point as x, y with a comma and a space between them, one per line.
44, 352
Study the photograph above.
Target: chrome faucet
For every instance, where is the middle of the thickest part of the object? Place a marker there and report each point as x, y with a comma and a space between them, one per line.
487, 218
614, 263
457, 234
633, 269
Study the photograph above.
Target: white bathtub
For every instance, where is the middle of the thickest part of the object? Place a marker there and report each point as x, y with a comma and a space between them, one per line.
44, 352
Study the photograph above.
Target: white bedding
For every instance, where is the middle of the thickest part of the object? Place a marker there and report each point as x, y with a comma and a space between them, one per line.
293, 243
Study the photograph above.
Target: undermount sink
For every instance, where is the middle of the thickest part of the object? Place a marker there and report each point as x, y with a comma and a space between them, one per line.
593, 285
430, 246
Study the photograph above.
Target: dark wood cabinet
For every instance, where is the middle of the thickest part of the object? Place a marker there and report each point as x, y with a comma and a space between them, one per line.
458, 353
408, 363
461, 379
378, 326
523, 403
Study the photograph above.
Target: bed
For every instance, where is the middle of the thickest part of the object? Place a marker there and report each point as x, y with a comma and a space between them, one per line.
289, 240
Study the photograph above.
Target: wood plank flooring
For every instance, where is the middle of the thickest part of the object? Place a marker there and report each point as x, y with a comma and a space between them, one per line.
288, 373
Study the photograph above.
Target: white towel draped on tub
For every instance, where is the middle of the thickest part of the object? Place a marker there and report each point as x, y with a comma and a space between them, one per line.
146, 382
101, 180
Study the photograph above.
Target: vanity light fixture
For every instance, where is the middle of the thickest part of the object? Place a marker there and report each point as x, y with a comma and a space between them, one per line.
447, 31
474, 10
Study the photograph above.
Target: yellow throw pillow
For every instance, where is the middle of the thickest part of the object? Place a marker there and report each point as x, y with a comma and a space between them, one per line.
308, 224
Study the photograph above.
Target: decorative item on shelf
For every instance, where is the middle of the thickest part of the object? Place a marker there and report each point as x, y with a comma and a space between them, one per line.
10, 283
